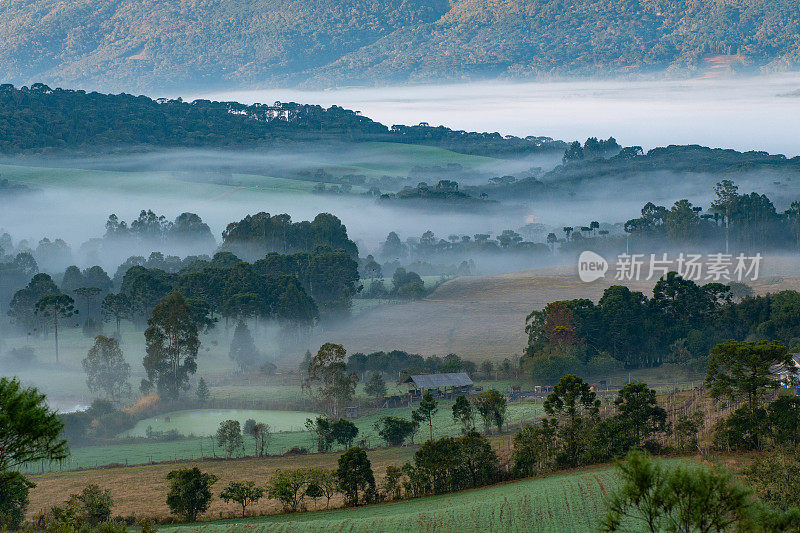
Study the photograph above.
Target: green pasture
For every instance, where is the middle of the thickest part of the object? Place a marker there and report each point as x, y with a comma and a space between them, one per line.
204, 422
373, 159
567, 502
145, 451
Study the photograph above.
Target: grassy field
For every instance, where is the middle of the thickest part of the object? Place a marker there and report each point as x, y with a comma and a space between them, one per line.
141, 452
573, 501
204, 422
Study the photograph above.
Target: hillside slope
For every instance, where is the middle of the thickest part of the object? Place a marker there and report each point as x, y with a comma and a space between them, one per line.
158, 45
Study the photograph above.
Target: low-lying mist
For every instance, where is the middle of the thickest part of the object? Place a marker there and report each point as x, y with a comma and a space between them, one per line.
741, 113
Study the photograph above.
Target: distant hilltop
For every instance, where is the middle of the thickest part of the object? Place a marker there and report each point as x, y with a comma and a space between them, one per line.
159, 45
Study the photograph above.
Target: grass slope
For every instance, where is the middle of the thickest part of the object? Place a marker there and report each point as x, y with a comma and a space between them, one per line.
566, 502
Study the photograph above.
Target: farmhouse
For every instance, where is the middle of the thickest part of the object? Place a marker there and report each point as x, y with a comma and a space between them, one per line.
447, 385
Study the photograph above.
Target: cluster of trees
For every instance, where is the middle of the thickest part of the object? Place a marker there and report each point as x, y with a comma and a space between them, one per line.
679, 324
398, 364
428, 246
592, 149
586, 177
257, 235
151, 231
444, 193
490, 406
78, 120
191, 489
746, 222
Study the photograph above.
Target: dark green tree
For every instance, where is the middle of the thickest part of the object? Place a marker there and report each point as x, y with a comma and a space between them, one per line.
639, 413
425, 411
464, 414
172, 344
243, 493
356, 480
189, 492
570, 403
394, 430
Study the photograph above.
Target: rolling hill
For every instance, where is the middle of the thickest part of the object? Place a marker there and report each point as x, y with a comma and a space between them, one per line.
158, 45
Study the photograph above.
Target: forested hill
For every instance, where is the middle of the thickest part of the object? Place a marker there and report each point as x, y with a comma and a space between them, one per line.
157, 45
40, 119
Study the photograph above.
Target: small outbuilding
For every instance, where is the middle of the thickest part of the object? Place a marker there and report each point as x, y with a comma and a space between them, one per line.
446, 385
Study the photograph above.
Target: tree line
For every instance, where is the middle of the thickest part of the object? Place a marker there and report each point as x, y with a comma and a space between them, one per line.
679, 324
42, 119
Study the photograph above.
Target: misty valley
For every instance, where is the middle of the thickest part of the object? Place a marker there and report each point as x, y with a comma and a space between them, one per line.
226, 315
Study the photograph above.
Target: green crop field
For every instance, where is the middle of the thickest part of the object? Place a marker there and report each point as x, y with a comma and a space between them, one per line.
204, 422
567, 502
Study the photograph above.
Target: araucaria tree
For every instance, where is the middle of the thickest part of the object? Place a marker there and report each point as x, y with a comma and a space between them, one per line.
743, 371
106, 370
56, 307
172, 344
571, 401
29, 432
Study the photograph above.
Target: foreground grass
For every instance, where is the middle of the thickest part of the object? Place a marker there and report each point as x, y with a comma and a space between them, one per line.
572, 501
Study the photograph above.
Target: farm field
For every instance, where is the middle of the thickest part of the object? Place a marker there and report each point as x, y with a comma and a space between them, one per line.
129, 484
567, 502
204, 422
491, 312
141, 452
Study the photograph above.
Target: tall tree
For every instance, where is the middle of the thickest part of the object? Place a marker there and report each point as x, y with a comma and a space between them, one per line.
172, 343
106, 368
56, 307
116, 307
327, 374
570, 402
425, 412
243, 349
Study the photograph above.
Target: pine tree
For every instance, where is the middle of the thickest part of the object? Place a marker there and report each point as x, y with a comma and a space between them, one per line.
243, 348
203, 394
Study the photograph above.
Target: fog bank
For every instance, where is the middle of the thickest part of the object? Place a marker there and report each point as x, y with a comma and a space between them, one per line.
744, 114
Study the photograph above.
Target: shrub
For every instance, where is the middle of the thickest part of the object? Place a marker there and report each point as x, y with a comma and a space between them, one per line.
190, 492
13, 499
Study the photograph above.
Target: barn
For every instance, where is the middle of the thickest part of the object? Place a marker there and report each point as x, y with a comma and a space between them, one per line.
447, 385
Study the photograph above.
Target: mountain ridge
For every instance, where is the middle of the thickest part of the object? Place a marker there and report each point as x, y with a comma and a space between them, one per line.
161, 46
